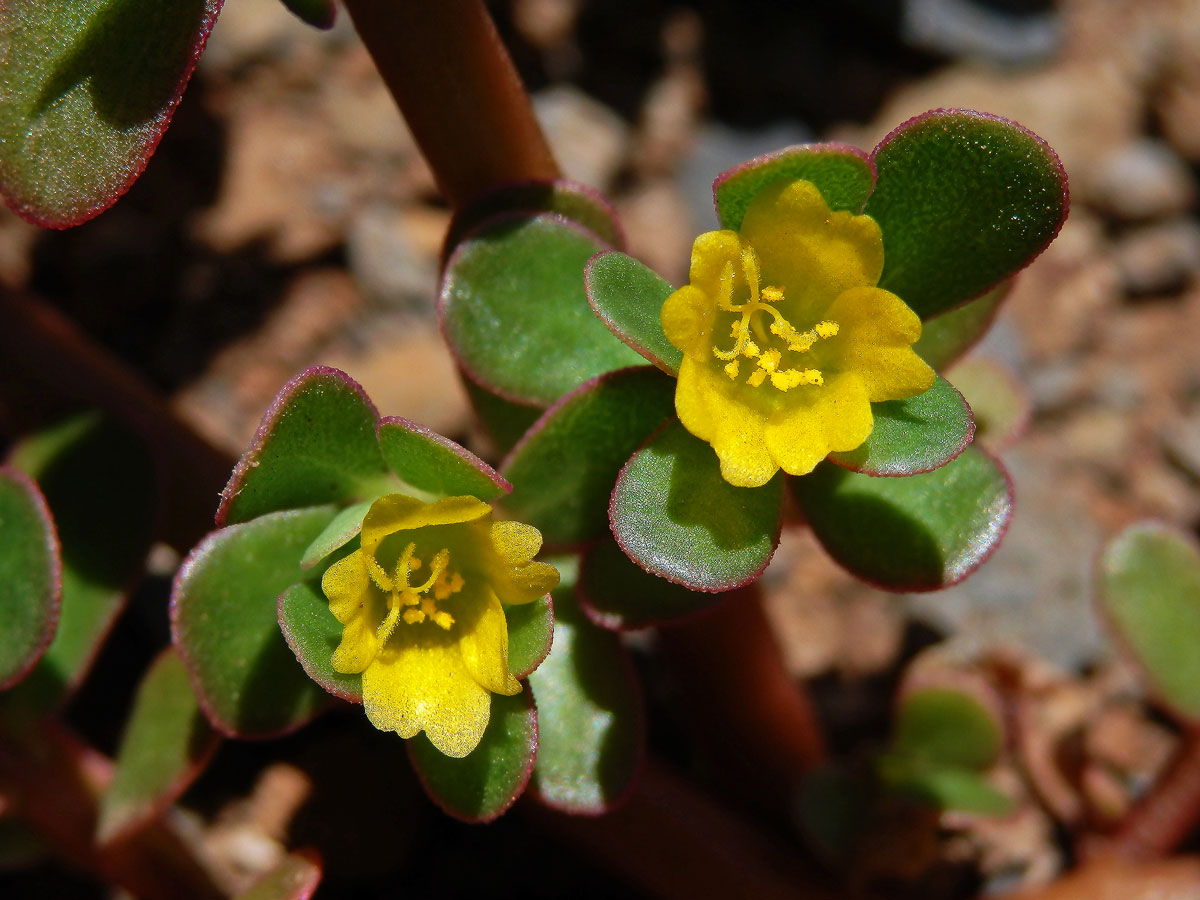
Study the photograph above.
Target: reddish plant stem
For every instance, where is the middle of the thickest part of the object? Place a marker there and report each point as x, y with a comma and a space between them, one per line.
1166, 815
43, 347
672, 841
54, 782
756, 722
456, 85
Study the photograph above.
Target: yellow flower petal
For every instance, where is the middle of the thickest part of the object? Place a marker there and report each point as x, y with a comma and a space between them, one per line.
709, 406
359, 646
877, 331
836, 416
347, 586
687, 317
398, 512
812, 253
520, 580
710, 253
483, 643
420, 682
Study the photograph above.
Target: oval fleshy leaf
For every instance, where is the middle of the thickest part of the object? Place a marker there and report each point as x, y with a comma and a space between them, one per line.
30, 576
914, 435
343, 528
318, 13
313, 633
316, 444
591, 731
564, 469
225, 624
99, 482
1150, 594
620, 596
843, 174
918, 533
530, 633
674, 515
87, 89
947, 336
948, 728
165, 745
964, 200
484, 784
296, 878
514, 311
999, 400
504, 422
576, 202
430, 462
628, 297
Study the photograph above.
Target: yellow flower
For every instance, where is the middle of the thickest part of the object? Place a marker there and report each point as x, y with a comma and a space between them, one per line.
786, 339
422, 602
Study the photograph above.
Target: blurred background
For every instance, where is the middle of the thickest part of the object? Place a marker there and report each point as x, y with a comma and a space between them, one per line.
288, 219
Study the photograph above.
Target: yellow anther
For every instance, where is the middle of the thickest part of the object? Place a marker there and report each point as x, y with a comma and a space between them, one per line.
772, 294
750, 351
757, 377
782, 380
446, 587
813, 376
731, 369
826, 329
443, 620
414, 616
770, 360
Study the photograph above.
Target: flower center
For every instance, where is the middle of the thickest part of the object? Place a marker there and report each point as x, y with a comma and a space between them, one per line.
416, 603
747, 326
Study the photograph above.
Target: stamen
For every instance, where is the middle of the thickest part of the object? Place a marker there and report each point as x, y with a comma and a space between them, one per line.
757, 377
731, 369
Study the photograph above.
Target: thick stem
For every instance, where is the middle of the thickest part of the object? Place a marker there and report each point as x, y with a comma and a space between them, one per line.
456, 85
55, 782
754, 720
44, 347
1166, 815
673, 842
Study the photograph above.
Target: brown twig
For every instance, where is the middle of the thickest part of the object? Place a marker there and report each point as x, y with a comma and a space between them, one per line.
43, 347
456, 85
754, 719
672, 841
1165, 817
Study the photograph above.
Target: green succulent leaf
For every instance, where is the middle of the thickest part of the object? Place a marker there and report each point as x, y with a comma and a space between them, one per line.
99, 482
948, 728
628, 297
87, 89
918, 533
576, 202
316, 444
844, 176
620, 596
318, 13
296, 878
947, 336
590, 729
914, 435
964, 200
961, 790
313, 633
432, 463
30, 576
564, 469
342, 529
225, 624
1150, 594
504, 422
675, 516
166, 744
514, 311
484, 784
530, 632
999, 400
